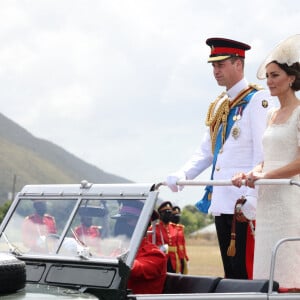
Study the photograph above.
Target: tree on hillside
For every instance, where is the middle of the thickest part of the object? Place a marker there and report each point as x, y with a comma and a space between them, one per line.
193, 219
3, 209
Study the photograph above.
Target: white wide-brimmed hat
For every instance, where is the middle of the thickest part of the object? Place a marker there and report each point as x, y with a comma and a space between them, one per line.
286, 52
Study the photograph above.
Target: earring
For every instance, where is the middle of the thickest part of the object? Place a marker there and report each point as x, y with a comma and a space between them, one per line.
291, 83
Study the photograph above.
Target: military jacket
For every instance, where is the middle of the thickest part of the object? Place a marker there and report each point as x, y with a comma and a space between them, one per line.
240, 152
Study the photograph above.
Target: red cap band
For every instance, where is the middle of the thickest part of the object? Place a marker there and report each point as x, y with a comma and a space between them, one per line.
227, 51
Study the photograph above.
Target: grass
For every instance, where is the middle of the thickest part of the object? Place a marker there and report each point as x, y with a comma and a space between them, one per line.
204, 257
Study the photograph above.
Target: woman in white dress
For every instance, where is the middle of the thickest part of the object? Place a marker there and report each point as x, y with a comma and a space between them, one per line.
278, 207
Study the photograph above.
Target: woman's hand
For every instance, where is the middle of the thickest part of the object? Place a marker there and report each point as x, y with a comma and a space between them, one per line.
238, 178
249, 178
252, 177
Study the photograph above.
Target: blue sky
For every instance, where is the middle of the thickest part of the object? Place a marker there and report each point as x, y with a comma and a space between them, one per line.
125, 85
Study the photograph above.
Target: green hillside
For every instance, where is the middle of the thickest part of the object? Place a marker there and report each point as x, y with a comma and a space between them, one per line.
25, 159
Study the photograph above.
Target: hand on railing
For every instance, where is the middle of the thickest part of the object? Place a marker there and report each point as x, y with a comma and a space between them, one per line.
172, 180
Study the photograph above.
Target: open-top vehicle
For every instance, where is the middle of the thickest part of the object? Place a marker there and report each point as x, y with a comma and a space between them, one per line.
64, 264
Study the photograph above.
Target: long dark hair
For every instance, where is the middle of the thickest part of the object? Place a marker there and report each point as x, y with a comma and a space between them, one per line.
293, 70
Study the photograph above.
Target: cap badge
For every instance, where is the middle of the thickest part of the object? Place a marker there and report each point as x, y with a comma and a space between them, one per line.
264, 103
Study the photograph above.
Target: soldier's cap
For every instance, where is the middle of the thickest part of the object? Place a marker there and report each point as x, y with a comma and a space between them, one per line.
222, 48
91, 211
129, 209
39, 202
176, 210
167, 205
154, 216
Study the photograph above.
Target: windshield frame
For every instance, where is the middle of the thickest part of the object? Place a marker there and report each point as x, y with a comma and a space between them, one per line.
79, 194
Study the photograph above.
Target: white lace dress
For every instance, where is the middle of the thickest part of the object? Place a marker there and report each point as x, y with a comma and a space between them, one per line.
278, 207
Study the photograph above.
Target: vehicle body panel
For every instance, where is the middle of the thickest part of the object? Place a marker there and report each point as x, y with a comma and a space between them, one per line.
67, 266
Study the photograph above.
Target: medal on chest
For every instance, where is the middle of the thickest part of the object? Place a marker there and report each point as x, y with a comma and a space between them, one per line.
236, 130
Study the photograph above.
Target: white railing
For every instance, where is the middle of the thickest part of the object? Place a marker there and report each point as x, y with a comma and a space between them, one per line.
229, 182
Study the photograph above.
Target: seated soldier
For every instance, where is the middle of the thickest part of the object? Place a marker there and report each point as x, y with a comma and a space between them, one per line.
166, 236
127, 217
149, 269
126, 220
87, 233
37, 227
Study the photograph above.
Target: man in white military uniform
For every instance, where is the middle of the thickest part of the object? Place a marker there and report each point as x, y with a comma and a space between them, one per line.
236, 121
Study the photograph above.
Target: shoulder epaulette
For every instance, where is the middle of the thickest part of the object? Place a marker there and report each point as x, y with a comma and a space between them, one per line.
94, 227
256, 86
172, 224
213, 110
48, 216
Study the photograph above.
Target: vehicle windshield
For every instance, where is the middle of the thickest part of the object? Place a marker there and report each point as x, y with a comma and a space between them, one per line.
71, 227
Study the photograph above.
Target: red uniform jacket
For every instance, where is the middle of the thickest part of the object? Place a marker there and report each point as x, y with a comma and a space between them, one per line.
181, 242
90, 236
149, 270
167, 234
35, 228
182, 253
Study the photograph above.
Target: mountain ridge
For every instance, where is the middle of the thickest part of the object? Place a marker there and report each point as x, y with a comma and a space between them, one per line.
26, 159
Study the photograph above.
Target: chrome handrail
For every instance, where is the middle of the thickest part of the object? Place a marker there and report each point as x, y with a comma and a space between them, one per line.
273, 257
226, 182
229, 182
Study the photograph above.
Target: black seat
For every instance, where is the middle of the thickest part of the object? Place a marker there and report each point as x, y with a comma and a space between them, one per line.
244, 285
178, 283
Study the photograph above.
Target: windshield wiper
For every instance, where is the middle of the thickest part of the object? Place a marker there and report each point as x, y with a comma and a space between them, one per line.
12, 248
